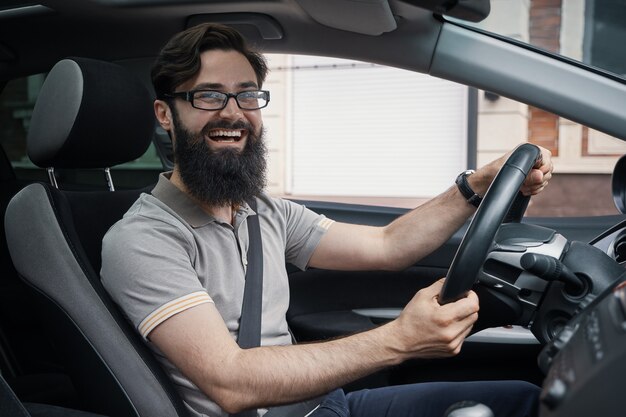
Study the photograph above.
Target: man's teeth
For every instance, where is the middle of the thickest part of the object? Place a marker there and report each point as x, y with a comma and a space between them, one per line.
226, 135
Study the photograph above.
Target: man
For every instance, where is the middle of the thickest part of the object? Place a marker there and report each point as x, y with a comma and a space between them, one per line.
176, 262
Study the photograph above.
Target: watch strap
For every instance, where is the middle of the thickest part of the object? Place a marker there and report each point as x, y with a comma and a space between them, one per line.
465, 189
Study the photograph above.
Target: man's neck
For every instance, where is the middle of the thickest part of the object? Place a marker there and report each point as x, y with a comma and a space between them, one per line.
223, 213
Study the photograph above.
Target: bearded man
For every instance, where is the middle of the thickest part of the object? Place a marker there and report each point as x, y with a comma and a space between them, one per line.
176, 263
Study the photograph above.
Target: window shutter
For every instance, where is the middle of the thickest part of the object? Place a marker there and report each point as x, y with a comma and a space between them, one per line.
366, 130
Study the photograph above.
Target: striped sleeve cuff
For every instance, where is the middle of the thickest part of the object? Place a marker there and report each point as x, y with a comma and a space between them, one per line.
166, 311
325, 223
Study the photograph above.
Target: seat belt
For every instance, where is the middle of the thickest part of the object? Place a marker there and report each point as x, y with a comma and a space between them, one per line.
251, 309
250, 322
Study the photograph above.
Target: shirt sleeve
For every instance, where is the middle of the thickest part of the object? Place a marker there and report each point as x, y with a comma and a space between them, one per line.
304, 230
147, 268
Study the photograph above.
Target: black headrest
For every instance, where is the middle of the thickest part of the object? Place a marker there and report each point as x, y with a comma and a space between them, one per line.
90, 114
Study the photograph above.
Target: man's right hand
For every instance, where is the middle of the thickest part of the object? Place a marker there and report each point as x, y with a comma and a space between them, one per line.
426, 329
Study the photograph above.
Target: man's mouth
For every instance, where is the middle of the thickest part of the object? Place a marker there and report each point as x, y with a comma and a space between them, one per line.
226, 135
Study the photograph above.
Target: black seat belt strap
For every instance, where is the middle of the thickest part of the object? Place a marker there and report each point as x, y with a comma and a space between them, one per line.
251, 309
250, 321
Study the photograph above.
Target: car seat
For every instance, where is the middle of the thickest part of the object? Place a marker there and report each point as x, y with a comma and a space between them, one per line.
89, 115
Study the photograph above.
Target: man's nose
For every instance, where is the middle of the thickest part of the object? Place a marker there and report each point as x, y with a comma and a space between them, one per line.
231, 110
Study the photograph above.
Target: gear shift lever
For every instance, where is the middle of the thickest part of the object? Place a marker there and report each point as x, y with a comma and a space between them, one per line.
468, 409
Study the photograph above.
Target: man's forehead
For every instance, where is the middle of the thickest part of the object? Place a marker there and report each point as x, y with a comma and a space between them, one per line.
223, 70
218, 86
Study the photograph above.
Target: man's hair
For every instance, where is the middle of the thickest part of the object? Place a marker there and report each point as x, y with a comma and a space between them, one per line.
179, 60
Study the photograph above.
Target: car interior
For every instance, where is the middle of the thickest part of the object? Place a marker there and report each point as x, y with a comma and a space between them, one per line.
553, 306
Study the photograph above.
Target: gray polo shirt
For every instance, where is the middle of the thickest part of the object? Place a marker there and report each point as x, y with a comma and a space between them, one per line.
167, 255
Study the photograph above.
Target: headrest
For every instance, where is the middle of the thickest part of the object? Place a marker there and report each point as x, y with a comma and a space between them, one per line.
90, 114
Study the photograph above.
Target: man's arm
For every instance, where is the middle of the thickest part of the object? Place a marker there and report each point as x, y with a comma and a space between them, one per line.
198, 343
417, 233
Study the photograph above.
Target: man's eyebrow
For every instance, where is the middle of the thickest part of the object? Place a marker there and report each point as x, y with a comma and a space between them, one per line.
220, 87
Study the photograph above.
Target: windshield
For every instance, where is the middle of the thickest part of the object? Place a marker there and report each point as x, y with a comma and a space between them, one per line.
589, 31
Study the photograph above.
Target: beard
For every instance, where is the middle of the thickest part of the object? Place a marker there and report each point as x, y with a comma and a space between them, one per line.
222, 177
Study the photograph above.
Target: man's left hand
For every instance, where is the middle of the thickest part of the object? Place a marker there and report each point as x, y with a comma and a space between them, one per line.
539, 176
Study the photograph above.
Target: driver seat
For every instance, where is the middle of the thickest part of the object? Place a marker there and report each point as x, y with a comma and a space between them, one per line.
90, 114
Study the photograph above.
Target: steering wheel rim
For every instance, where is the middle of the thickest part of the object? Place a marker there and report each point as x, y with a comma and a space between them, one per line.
502, 198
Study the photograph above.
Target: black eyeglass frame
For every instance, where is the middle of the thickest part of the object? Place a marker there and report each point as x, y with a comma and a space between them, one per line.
188, 96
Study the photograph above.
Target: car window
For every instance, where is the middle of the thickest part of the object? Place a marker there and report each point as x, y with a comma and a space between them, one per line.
348, 129
17, 101
355, 132
591, 32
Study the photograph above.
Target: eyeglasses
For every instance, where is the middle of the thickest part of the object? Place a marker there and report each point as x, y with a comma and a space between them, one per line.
216, 100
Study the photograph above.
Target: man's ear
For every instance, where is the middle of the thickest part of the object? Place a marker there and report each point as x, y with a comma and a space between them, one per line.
163, 114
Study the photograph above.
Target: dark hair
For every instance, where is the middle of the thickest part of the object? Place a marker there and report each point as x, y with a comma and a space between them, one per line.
179, 60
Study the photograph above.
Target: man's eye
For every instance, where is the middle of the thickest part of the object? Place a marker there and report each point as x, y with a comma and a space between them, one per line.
209, 96
249, 96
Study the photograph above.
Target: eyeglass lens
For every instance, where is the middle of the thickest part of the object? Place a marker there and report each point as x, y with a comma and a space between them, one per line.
215, 100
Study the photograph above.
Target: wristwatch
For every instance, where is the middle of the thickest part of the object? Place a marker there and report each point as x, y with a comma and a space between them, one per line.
465, 189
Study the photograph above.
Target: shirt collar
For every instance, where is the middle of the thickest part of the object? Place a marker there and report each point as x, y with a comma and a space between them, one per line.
186, 207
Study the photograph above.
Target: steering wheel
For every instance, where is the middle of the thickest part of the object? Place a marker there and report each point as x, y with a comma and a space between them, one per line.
502, 197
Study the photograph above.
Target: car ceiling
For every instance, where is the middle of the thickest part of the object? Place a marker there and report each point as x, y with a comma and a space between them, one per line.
35, 36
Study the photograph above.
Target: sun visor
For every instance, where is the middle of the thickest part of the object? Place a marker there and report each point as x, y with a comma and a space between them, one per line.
368, 17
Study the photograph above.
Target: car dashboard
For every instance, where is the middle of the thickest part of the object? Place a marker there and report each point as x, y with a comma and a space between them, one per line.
586, 362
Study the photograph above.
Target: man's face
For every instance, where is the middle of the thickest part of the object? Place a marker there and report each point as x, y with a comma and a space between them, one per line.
228, 72
219, 155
